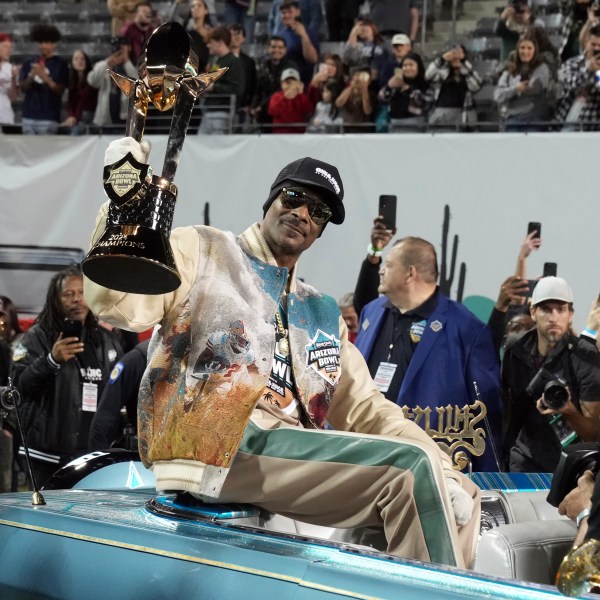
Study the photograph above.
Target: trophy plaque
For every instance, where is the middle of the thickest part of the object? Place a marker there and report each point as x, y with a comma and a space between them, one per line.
133, 254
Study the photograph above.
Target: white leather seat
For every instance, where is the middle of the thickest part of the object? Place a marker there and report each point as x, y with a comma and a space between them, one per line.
530, 506
530, 544
530, 550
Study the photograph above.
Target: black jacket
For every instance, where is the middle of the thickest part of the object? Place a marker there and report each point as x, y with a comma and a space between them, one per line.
120, 392
268, 81
51, 398
533, 444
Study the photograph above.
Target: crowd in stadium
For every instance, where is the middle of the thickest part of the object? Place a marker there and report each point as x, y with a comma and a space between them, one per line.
377, 81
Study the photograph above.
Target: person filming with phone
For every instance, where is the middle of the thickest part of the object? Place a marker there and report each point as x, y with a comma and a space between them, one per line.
357, 102
550, 382
510, 314
454, 81
301, 41
516, 18
579, 94
112, 105
290, 108
60, 367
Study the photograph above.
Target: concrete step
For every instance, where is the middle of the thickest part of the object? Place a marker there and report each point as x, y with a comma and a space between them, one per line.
433, 48
481, 7
470, 12
463, 26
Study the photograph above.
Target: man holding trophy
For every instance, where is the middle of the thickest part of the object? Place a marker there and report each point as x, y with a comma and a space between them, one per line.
252, 391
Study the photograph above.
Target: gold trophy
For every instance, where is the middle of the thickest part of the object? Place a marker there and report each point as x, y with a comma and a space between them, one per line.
134, 254
579, 571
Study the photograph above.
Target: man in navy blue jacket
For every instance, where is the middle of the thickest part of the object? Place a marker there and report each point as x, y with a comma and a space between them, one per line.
433, 357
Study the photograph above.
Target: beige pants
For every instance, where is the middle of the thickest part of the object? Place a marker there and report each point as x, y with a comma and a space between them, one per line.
345, 480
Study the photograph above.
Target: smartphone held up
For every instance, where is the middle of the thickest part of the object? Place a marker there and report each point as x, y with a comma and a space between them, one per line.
387, 210
536, 228
72, 328
550, 269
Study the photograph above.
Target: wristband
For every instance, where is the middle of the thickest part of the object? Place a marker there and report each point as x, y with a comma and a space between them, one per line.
581, 516
52, 362
590, 333
374, 251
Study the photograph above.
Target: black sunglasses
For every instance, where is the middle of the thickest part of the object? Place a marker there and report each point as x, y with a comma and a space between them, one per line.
319, 212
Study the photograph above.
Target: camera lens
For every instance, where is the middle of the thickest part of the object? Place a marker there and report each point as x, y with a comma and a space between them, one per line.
555, 394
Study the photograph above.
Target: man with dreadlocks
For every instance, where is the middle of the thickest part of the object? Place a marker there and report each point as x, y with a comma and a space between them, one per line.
61, 377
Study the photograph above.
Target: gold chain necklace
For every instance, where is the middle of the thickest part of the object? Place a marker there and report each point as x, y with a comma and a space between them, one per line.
284, 343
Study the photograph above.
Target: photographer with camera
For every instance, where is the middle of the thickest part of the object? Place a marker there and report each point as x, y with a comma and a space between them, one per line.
577, 504
550, 382
579, 94
111, 108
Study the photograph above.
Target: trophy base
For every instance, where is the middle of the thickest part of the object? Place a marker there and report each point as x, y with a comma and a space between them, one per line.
114, 264
132, 275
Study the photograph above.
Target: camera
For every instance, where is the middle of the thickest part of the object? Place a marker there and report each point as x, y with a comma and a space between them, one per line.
574, 461
595, 9
554, 387
556, 394
117, 42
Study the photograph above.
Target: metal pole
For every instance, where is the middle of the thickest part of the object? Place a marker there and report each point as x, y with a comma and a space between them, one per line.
489, 430
454, 11
424, 27
10, 399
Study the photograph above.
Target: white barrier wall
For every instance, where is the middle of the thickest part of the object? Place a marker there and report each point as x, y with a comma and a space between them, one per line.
50, 188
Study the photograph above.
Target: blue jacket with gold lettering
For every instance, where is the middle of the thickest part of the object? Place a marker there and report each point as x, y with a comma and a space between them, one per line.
454, 362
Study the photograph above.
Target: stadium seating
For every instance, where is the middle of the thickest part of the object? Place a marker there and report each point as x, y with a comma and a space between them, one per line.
86, 24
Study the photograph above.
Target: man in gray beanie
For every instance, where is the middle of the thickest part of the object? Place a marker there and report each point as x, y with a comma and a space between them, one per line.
254, 394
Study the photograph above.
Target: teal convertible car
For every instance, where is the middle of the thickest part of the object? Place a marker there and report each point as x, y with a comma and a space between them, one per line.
103, 532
